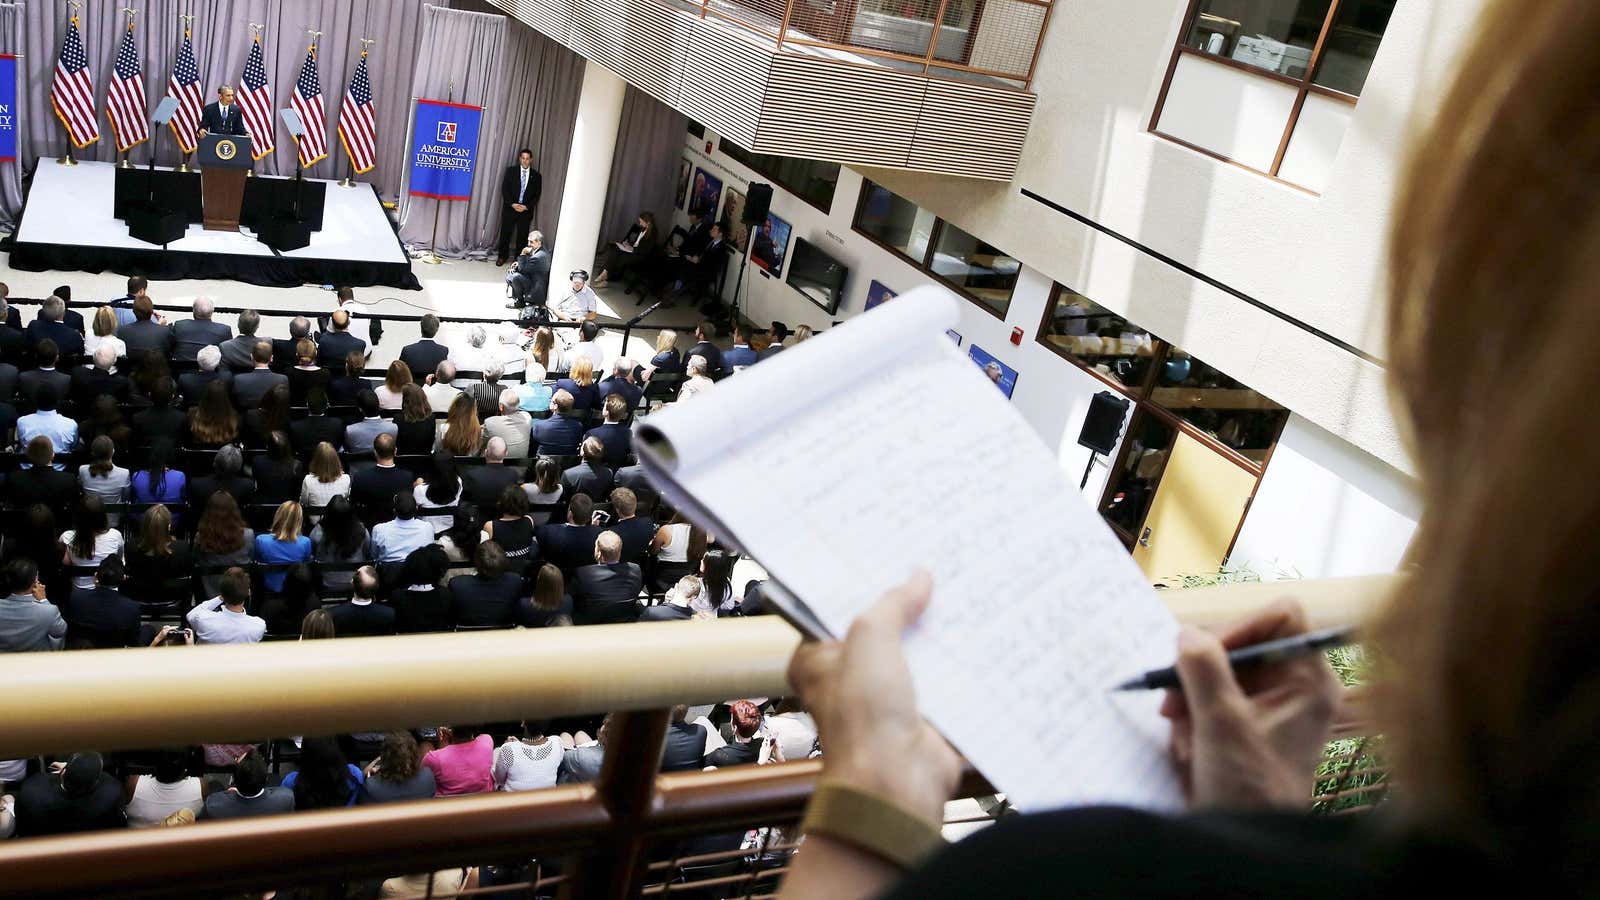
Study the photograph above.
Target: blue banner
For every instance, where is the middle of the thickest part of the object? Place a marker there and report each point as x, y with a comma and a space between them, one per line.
8, 108
444, 149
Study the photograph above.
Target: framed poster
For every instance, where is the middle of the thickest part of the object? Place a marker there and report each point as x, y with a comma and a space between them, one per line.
704, 193
683, 182
877, 295
771, 244
1003, 376
732, 211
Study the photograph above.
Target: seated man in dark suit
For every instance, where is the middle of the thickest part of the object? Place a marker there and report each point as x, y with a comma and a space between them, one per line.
9, 315
530, 274
425, 355
344, 389
636, 532
48, 325
335, 345
192, 384
686, 743
703, 270
704, 334
40, 482
607, 591
146, 335
373, 485
489, 596
740, 355
616, 439
189, 335
590, 476
560, 434
621, 383
249, 387
162, 419
285, 354
90, 381
226, 469
305, 434
779, 333
362, 615
13, 344
569, 545
102, 616
481, 486
69, 317
678, 605
31, 381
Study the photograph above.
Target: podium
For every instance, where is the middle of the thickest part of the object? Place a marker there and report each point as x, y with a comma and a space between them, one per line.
225, 161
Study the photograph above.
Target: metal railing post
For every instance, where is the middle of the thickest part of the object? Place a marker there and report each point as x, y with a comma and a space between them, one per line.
615, 869
783, 27
933, 39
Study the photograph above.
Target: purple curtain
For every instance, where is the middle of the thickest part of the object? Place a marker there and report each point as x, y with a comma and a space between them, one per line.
644, 171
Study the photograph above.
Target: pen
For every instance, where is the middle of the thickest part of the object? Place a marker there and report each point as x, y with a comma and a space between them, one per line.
1253, 656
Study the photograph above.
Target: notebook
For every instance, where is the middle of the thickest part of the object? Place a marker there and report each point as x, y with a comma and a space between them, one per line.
845, 463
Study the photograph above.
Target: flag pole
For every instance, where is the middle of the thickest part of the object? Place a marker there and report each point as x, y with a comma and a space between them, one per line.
433, 242
125, 164
350, 178
73, 6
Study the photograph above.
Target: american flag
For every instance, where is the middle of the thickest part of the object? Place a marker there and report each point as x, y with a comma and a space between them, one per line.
255, 102
307, 102
125, 103
358, 127
185, 88
72, 91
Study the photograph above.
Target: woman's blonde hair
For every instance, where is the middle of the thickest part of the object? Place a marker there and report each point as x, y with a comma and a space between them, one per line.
582, 371
463, 432
325, 463
1490, 686
105, 322
287, 521
666, 340
801, 332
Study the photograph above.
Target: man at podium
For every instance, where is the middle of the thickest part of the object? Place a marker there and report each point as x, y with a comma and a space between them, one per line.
223, 116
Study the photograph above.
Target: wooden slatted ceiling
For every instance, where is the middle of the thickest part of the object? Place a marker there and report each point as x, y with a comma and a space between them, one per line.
815, 106
971, 129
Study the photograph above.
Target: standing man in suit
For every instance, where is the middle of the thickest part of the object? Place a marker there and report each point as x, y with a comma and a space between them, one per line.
519, 194
223, 116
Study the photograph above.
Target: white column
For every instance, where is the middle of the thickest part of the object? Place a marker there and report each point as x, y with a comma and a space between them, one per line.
583, 195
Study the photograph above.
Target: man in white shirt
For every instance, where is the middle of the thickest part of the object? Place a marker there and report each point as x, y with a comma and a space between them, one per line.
511, 425
398, 538
222, 619
440, 392
581, 305
589, 346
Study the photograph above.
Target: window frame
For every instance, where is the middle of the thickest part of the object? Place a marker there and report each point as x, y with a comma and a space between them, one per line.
750, 163
925, 265
1304, 87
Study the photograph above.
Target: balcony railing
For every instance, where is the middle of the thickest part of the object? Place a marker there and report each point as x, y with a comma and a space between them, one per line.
616, 838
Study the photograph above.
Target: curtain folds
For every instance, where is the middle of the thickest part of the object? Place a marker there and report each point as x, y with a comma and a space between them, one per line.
644, 170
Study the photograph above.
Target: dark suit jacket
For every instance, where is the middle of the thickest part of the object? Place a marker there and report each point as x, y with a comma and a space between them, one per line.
106, 617
89, 382
739, 357
146, 336
29, 382
770, 352
735, 754
13, 317
481, 486
352, 620
192, 384
698, 238
482, 601
423, 357
511, 182
343, 390
630, 392
249, 387
8, 381
212, 120
283, 353
372, 487
602, 594
636, 534
12, 343
712, 354
58, 490
68, 341
618, 441
160, 422
557, 436
666, 612
201, 489
305, 434
535, 267
686, 743
583, 478
334, 346
189, 335
567, 547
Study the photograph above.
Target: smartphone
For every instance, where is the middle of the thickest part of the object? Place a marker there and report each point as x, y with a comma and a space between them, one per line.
601, 517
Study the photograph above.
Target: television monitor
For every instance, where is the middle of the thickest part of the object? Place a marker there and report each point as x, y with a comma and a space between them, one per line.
817, 275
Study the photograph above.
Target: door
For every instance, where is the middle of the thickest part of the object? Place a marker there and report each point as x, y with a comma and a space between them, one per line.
1195, 512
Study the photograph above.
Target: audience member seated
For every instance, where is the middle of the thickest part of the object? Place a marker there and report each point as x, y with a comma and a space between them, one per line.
152, 798
590, 476
41, 482
250, 794
269, 415
482, 486
103, 330
583, 757
373, 485
488, 597
48, 325
581, 303
157, 561
628, 256
588, 347
285, 545
549, 606
46, 422
542, 351
162, 419
679, 603
621, 383
560, 434
338, 343
685, 744
278, 474
533, 395
32, 381
79, 797
425, 355
778, 333
511, 425
741, 356
222, 539
679, 547
543, 489
249, 387
570, 544
616, 438
325, 479
103, 418
716, 578
101, 476
189, 335
441, 393
414, 425
439, 489
223, 619
286, 351
698, 380
358, 436
580, 384
793, 729
226, 477
345, 388
398, 773
213, 423
637, 533
464, 762
704, 334
323, 778
460, 434
192, 385
399, 537
667, 359
608, 590
90, 539
305, 375
28, 620
474, 356
422, 599
96, 378
158, 481
145, 334
530, 762
317, 427
699, 272
341, 539
512, 530
745, 748
530, 273
486, 393
395, 378
362, 615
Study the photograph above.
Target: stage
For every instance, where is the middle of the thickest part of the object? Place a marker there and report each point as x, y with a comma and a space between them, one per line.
68, 224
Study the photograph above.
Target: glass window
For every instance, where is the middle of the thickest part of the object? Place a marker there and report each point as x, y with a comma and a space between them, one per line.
1082, 329
1352, 43
1229, 411
1133, 486
1276, 35
895, 221
982, 272
811, 180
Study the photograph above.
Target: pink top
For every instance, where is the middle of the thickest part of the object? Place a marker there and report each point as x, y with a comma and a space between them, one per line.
462, 768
